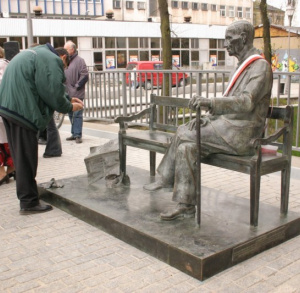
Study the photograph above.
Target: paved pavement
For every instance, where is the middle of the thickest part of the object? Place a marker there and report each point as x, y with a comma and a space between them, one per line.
56, 252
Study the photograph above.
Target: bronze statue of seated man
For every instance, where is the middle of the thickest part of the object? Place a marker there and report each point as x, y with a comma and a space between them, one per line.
229, 125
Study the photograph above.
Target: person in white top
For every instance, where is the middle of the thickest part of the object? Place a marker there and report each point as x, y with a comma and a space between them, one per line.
5, 157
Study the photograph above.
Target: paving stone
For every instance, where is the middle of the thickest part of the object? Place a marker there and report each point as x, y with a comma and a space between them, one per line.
293, 269
280, 263
55, 252
285, 288
5, 285
261, 287
50, 288
25, 287
278, 279
32, 275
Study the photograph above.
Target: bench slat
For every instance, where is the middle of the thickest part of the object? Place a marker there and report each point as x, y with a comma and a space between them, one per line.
150, 140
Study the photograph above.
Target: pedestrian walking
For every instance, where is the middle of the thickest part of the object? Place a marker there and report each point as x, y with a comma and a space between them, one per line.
77, 75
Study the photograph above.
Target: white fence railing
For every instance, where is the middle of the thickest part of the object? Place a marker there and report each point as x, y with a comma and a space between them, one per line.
120, 92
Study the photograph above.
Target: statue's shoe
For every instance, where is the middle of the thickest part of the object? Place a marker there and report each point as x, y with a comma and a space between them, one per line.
181, 210
156, 185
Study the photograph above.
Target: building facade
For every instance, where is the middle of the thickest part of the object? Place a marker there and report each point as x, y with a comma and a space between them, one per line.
122, 31
276, 15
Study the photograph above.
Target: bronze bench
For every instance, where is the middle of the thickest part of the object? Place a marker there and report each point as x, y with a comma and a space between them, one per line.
157, 139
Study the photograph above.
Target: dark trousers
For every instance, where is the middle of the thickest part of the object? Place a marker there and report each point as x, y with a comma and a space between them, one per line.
24, 150
53, 146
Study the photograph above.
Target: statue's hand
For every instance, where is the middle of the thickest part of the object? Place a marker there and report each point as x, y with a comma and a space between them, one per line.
197, 101
193, 103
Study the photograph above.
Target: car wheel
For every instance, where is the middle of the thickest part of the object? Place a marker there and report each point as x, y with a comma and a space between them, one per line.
148, 85
181, 83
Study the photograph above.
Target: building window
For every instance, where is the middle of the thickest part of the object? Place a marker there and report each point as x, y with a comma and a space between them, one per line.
121, 59
174, 4
121, 42
195, 43
57, 41
2, 41
248, 12
117, 4
184, 43
195, 56
129, 4
141, 5
155, 42
221, 58
212, 43
231, 11
175, 43
185, 58
184, 5
144, 43
133, 42
110, 43
98, 61
221, 43
144, 55
222, 10
155, 55
240, 12
213, 7
195, 5
217, 50
97, 42
45, 40
204, 6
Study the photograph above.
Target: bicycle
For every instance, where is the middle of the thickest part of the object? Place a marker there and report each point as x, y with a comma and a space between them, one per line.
58, 118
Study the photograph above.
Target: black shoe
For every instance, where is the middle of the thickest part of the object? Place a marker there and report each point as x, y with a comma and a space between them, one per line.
181, 210
78, 140
71, 138
40, 208
50, 156
12, 174
4, 179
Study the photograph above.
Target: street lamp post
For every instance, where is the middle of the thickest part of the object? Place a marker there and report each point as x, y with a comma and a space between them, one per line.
29, 25
290, 9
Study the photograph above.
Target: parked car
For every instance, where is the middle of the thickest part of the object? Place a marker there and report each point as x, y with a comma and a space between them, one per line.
149, 79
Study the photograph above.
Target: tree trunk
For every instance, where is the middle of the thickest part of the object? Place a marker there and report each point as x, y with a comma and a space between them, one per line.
266, 30
166, 43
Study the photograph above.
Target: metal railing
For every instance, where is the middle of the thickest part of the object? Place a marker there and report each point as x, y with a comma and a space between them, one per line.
121, 92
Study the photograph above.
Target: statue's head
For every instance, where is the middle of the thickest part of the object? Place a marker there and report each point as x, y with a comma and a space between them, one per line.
239, 37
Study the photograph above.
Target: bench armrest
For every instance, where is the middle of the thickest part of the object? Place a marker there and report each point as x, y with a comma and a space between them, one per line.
256, 142
122, 119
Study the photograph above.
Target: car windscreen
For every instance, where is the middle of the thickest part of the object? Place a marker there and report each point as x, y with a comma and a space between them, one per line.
158, 66
131, 66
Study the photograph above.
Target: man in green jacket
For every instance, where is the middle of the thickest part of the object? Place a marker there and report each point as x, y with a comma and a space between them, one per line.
32, 89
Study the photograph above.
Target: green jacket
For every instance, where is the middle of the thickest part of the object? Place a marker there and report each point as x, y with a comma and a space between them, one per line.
33, 87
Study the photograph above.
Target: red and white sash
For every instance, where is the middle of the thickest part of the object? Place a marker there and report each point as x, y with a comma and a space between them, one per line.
241, 68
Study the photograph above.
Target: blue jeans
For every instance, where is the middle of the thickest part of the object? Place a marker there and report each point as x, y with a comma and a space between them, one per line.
76, 123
